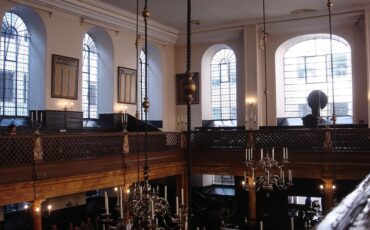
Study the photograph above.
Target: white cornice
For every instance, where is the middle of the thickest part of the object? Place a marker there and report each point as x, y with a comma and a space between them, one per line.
112, 17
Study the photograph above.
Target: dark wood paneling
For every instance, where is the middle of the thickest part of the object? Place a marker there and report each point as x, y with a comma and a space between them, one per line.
56, 120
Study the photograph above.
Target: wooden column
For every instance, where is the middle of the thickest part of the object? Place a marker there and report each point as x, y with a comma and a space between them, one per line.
36, 214
252, 202
328, 194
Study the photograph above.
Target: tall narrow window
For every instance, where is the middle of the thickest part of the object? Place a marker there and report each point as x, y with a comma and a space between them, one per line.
223, 85
89, 78
141, 91
307, 67
14, 66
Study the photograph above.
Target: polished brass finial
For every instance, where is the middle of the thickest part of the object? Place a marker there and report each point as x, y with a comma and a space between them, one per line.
146, 104
329, 3
146, 13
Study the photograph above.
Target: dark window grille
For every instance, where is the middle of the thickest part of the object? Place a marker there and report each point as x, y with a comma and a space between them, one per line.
14, 66
89, 78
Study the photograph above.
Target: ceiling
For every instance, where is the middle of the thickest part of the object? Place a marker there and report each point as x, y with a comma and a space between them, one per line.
221, 12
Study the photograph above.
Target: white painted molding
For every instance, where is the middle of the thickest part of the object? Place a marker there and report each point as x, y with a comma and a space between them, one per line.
111, 17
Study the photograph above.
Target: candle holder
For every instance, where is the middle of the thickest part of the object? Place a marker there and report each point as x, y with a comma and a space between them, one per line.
182, 125
250, 124
106, 220
36, 122
180, 218
124, 122
269, 165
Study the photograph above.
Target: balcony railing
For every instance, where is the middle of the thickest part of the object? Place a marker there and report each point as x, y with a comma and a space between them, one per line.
21, 150
342, 140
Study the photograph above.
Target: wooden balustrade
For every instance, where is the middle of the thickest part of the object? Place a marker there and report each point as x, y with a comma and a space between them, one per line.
342, 139
50, 157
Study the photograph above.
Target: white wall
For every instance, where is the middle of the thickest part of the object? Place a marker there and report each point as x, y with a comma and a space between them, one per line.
251, 67
64, 34
349, 31
197, 54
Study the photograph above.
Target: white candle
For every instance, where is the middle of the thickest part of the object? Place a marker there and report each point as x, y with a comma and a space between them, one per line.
261, 153
177, 205
286, 153
182, 196
283, 177
121, 202
290, 175
156, 222
245, 176
106, 202
253, 174
40, 116
36, 116
152, 209
121, 118
261, 225
31, 116
165, 192
246, 154
292, 223
273, 153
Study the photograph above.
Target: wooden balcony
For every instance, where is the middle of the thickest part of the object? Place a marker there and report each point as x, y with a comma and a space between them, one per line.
38, 167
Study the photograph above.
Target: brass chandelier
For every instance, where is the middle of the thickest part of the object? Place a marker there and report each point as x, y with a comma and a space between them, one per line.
272, 170
145, 206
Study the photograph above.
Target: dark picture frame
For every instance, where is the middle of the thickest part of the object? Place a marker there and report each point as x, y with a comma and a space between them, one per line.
127, 85
180, 98
64, 77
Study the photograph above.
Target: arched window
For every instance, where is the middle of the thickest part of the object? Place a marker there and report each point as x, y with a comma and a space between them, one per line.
307, 67
89, 78
141, 94
223, 85
14, 66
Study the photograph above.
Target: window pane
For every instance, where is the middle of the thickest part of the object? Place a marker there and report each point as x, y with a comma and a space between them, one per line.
14, 59
89, 78
223, 85
307, 67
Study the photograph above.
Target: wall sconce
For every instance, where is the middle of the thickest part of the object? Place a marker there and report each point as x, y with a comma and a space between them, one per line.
66, 107
321, 188
49, 208
251, 120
